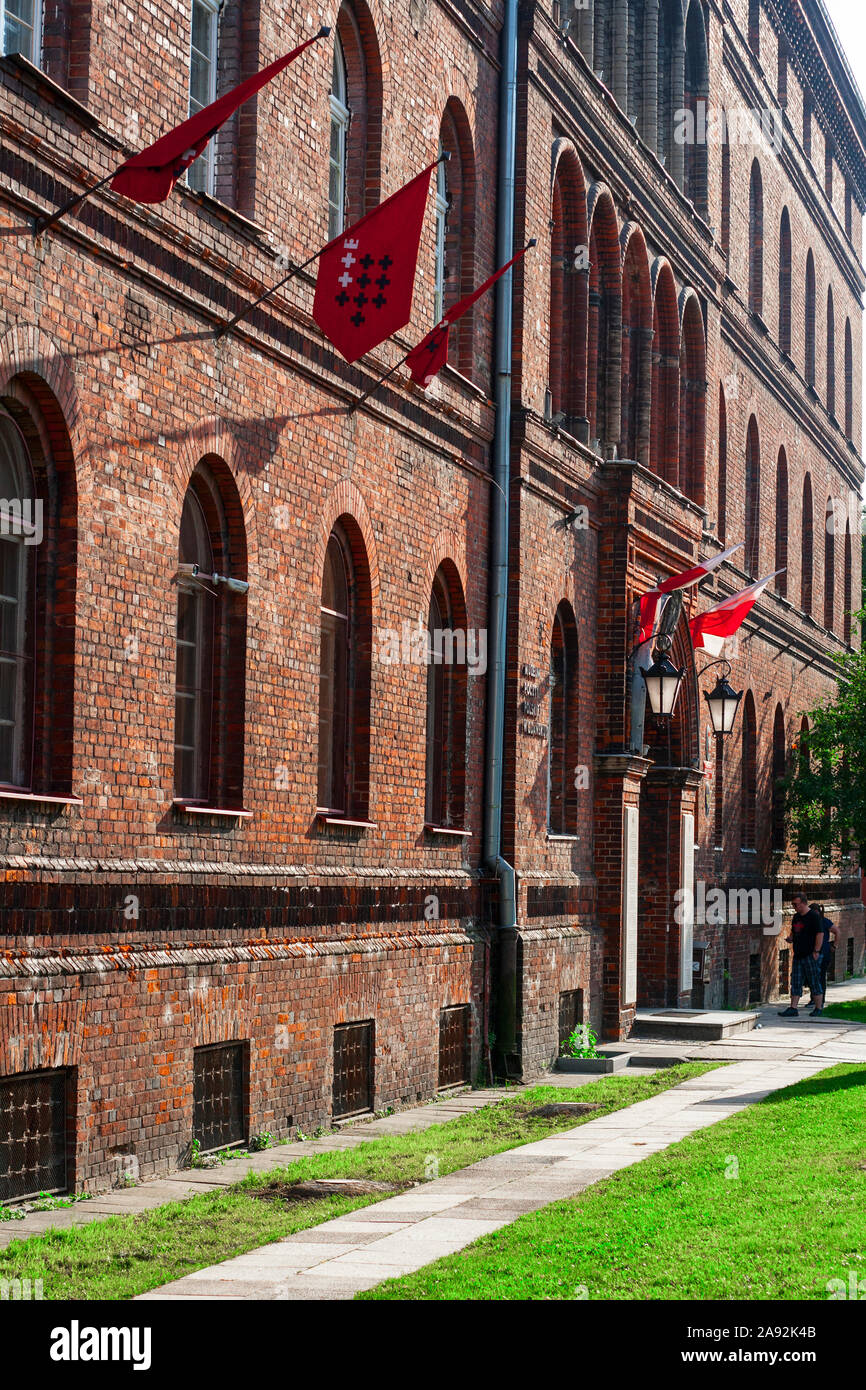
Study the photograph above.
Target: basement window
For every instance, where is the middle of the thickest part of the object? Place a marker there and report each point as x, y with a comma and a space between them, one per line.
219, 1112
353, 1068
454, 1033
33, 1134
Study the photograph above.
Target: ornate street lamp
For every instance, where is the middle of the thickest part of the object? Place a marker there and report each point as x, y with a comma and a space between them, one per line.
662, 680
722, 702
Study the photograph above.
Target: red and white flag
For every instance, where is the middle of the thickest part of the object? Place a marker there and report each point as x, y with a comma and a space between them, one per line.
649, 602
150, 176
367, 274
711, 630
431, 354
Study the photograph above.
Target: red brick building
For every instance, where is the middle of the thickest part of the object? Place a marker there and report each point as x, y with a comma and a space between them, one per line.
244, 887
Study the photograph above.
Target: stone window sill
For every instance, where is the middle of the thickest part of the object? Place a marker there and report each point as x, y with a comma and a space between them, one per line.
36, 799
451, 830
192, 808
334, 818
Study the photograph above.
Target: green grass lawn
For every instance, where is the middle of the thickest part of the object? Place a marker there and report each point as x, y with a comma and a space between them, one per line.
770, 1204
126, 1255
853, 1011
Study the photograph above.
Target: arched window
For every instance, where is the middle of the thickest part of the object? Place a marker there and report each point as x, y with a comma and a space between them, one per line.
722, 522
21, 28
693, 389
563, 740
849, 382
831, 354
785, 282
664, 421
339, 132
782, 73
846, 615
778, 776
604, 327
756, 240
18, 516
696, 94
806, 548
355, 117
670, 81
569, 283
446, 702
748, 775
726, 189
810, 320
753, 498
830, 566
781, 557
211, 643
38, 573
636, 352
344, 676
455, 222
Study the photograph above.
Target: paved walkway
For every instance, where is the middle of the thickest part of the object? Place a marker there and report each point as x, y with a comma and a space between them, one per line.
776, 1040
401, 1234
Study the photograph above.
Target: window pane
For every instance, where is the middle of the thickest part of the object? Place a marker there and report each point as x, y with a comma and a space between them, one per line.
18, 29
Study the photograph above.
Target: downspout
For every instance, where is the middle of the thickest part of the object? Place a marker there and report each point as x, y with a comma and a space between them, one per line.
506, 937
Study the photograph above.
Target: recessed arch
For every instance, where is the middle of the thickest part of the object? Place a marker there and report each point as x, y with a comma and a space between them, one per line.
569, 289
692, 401
636, 386
664, 420
604, 336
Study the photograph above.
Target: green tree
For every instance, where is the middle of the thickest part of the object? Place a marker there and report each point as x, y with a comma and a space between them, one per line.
825, 791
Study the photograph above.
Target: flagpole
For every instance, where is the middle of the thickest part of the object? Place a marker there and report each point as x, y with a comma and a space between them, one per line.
295, 270
350, 410
41, 224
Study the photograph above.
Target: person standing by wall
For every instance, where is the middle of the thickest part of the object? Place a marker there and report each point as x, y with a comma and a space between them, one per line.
807, 939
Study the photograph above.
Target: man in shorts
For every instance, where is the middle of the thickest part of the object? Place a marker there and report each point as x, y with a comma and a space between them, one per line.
807, 938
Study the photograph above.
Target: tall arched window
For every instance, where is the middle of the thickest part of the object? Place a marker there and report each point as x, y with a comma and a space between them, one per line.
831, 354
785, 282
778, 776
446, 702
846, 615
670, 80
756, 240
722, 522
204, 53
664, 422
355, 106
749, 775
849, 382
810, 321
344, 676
806, 547
636, 352
782, 72
563, 739
455, 222
569, 283
696, 92
693, 402
753, 498
17, 575
211, 643
339, 132
726, 190
604, 335
781, 557
830, 567
804, 762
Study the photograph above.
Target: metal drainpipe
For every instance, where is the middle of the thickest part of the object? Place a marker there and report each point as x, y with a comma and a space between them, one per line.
506, 942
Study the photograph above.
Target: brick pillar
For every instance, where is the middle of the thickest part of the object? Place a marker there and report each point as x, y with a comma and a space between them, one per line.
665, 932
610, 410
649, 123
586, 32
678, 97
617, 784
619, 85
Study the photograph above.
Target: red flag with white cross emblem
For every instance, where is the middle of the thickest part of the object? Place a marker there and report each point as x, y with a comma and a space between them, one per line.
367, 274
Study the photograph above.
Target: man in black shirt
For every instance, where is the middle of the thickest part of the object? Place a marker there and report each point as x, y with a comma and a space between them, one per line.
807, 938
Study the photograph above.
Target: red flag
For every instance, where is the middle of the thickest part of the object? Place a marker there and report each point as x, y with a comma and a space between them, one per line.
710, 630
150, 176
367, 274
431, 354
684, 580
